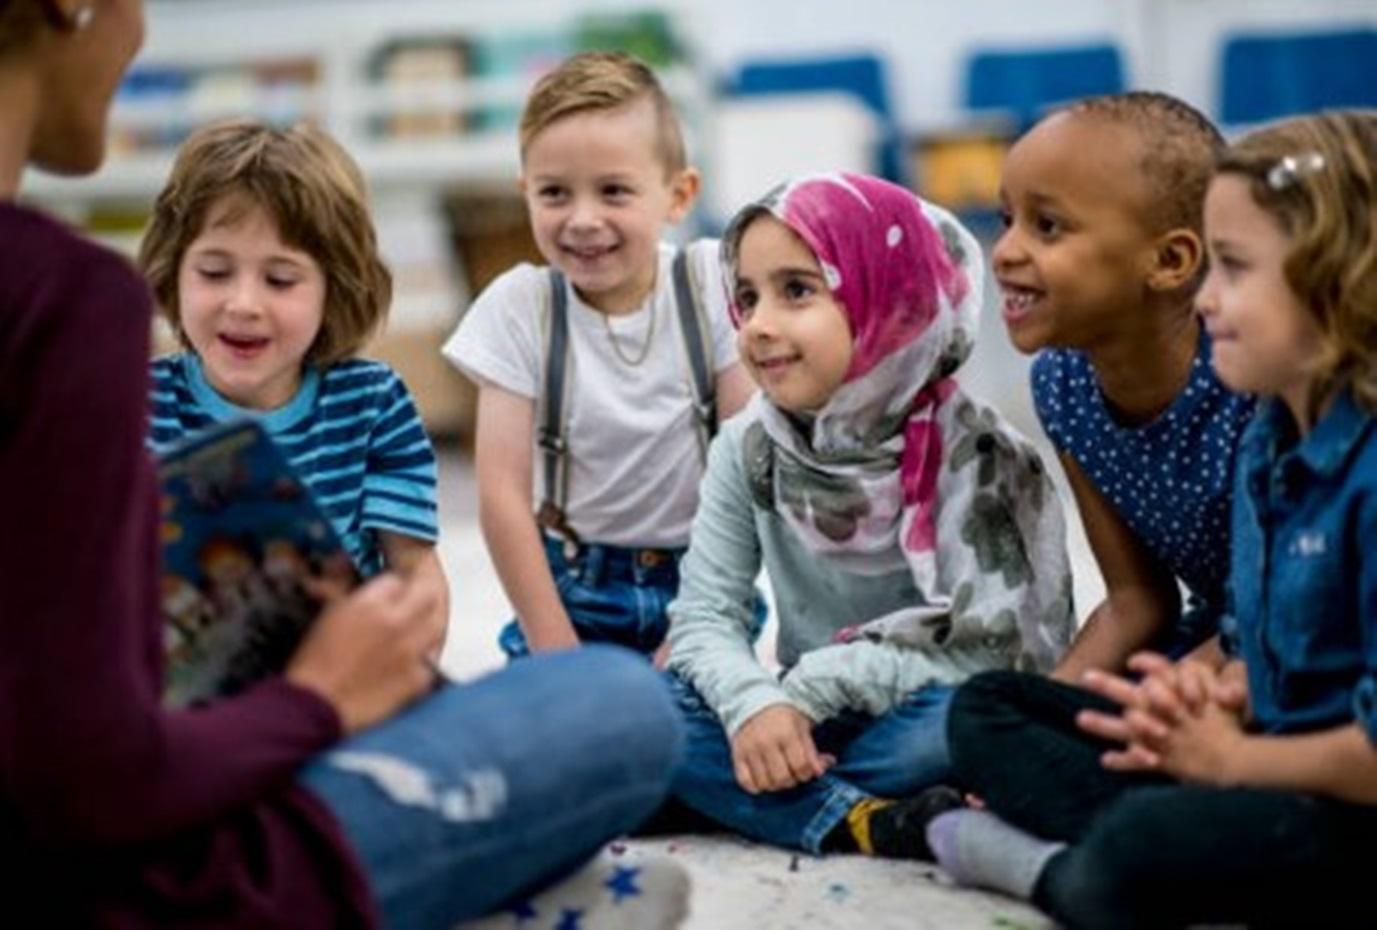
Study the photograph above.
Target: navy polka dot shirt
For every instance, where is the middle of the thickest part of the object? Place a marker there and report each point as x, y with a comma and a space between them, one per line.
1170, 479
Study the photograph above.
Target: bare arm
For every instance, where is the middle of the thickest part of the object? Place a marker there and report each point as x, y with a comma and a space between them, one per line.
1340, 762
419, 561
1208, 744
734, 389
506, 422
1141, 596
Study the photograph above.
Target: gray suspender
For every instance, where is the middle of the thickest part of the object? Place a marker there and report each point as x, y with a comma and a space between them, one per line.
550, 427
554, 451
693, 325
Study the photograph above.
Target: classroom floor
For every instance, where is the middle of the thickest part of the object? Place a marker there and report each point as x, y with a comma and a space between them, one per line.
739, 885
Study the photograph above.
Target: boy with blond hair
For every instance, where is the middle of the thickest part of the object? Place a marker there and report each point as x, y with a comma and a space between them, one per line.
610, 368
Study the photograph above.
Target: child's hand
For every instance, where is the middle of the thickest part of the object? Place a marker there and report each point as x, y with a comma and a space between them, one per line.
367, 654
1199, 746
661, 657
419, 561
1193, 681
1166, 691
1179, 718
774, 750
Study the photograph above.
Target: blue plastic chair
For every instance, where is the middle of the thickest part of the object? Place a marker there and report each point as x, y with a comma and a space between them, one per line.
1024, 84
1269, 76
860, 75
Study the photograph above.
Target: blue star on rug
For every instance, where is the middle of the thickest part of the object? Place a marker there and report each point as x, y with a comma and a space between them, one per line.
570, 919
622, 884
524, 912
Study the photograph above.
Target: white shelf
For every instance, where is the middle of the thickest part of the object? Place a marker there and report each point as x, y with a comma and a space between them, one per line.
343, 96
126, 177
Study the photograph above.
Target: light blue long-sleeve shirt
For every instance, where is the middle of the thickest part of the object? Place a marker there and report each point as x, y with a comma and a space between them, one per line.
712, 617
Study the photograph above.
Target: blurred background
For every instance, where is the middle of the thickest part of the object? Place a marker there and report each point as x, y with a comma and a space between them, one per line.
426, 93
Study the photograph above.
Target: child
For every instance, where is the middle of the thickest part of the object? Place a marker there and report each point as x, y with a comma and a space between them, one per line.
602, 369
1248, 794
263, 258
911, 537
1099, 260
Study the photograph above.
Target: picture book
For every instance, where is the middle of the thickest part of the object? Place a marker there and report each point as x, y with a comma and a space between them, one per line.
240, 533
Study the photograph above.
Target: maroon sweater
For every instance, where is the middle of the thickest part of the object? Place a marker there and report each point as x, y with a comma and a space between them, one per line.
113, 811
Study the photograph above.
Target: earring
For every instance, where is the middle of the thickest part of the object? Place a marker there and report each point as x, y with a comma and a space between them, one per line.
82, 17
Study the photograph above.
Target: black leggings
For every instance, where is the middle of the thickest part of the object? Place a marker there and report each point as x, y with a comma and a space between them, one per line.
1147, 851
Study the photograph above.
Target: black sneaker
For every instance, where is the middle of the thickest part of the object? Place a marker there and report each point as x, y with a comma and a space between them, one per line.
899, 831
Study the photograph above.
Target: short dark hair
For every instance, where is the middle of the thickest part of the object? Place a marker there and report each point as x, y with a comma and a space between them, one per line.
1180, 147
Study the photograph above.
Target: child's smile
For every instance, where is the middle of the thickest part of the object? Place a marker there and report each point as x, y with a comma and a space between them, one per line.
598, 195
1019, 303
1071, 258
244, 346
582, 260
251, 305
795, 338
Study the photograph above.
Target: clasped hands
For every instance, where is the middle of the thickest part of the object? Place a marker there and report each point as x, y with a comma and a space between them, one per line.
1184, 719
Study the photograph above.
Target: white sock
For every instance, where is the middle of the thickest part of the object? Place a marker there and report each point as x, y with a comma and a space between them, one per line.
976, 848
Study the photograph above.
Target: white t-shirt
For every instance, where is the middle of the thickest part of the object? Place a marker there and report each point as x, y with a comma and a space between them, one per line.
634, 460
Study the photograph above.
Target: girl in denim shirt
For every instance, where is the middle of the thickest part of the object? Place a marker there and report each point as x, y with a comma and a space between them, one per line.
1249, 793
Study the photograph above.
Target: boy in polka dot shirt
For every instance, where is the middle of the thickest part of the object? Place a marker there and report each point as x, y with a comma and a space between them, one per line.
1099, 262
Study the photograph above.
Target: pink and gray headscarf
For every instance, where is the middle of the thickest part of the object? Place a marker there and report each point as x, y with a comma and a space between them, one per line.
899, 466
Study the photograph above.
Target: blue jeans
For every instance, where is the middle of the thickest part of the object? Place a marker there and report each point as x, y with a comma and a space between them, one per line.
893, 756
612, 594
485, 792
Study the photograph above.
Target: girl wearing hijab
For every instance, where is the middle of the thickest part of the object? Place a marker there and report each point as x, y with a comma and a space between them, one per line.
911, 536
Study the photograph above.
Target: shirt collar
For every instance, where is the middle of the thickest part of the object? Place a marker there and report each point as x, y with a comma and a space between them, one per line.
221, 410
1325, 448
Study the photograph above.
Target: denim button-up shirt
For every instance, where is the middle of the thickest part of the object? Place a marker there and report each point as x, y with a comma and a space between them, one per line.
1304, 579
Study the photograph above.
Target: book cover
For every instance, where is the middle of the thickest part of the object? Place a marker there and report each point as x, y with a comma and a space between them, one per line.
240, 532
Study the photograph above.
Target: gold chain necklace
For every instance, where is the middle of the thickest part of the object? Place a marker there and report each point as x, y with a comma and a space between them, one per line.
645, 347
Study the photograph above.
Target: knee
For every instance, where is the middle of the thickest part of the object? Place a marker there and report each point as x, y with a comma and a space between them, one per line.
639, 697
986, 702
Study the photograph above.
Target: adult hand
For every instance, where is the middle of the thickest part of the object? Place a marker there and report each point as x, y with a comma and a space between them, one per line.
774, 750
367, 653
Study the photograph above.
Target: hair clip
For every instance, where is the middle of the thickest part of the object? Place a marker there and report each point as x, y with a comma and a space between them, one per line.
1291, 169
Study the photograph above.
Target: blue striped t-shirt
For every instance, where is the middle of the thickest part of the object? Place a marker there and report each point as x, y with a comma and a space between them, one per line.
351, 432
